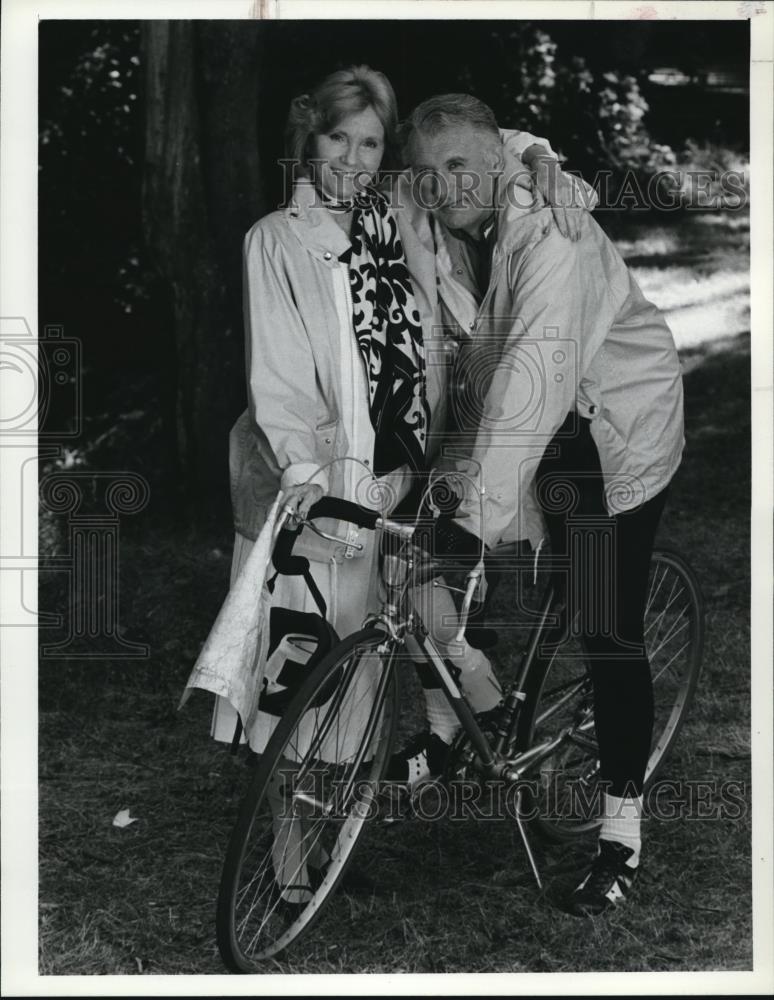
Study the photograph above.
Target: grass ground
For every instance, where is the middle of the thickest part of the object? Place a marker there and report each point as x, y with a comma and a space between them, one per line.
456, 895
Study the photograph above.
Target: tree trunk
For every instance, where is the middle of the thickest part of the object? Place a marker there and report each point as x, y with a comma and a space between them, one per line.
201, 192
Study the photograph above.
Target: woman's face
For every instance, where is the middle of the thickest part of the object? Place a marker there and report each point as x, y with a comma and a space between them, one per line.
350, 153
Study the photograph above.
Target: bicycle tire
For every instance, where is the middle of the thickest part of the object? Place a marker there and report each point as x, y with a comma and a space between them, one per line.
558, 693
291, 817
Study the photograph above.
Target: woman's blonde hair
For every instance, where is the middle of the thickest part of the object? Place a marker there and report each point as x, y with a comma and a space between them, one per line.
345, 92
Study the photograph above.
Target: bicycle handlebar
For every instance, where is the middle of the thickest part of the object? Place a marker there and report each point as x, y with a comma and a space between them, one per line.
344, 510
453, 539
334, 507
445, 538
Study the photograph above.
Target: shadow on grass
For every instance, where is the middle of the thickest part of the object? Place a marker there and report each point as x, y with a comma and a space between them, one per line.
708, 512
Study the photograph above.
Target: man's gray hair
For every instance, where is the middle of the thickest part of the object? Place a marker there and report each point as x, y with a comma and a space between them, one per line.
436, 114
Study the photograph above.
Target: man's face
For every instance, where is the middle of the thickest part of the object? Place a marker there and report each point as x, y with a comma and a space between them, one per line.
455, 171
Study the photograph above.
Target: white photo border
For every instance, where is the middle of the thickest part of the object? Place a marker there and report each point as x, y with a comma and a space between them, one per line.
18, 646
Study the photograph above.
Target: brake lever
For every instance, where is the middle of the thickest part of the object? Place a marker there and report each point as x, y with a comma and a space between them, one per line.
332, 538
474, 578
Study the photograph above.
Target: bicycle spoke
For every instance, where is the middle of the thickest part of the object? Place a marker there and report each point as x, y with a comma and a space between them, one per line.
566, 699
332, 714
672, 660
307, 809
670, 635
664, 610
558, 709
252, 907
370, 729
653, 594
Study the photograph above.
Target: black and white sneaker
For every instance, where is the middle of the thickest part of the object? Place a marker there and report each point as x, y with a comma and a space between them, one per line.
421, 759
608, 882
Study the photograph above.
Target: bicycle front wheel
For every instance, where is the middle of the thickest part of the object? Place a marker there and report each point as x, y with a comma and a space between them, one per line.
567, 790
313, 790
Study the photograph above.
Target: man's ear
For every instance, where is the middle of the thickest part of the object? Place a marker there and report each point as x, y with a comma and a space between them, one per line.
496, 158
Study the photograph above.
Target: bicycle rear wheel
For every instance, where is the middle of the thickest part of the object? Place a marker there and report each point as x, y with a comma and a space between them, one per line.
567, 793
313, 790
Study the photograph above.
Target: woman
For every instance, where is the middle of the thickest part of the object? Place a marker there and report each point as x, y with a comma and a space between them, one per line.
312, 272
337, 339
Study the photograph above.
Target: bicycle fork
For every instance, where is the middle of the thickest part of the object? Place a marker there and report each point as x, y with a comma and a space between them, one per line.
489, 766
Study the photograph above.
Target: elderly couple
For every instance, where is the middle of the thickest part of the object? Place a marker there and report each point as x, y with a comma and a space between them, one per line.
356, 300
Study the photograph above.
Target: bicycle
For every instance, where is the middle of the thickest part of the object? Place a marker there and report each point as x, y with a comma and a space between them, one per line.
317, 783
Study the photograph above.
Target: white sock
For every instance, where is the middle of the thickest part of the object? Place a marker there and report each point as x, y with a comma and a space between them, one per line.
621, 822
440, 715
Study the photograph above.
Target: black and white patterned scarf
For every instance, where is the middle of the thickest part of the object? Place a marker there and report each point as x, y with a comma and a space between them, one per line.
389, 333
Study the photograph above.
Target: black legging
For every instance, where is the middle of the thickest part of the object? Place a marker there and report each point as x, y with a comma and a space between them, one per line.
570, 491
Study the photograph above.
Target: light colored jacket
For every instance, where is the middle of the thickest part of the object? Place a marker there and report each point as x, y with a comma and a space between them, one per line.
307, 393
563, 325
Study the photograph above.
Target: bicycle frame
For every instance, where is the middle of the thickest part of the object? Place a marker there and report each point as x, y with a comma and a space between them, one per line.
328, 792
399, 621
399, 618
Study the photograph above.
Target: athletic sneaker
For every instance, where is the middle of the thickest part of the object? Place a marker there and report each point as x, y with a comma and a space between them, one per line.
607, 883
421, 759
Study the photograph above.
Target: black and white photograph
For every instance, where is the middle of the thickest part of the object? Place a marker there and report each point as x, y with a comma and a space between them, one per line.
387, 458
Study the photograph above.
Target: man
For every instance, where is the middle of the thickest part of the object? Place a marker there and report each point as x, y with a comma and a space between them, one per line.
571, 387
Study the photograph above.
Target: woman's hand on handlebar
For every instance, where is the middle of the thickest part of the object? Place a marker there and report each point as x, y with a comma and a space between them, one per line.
299, 499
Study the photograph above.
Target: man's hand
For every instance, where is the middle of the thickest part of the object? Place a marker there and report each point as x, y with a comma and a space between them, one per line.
559, 190
452, 539
445, 539
299, 499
